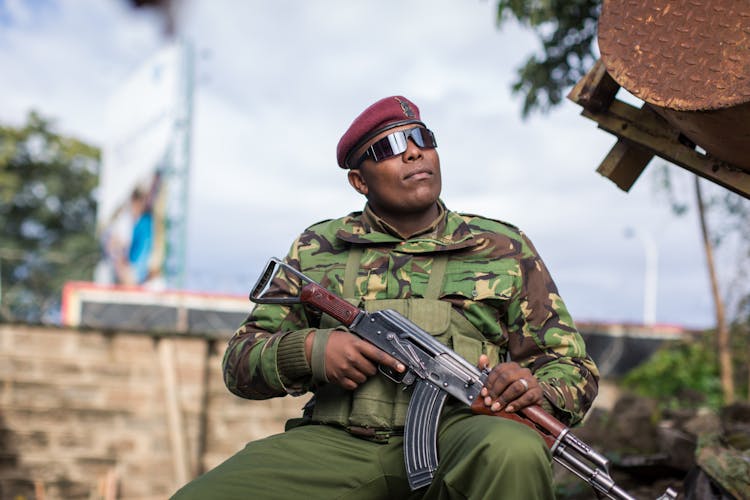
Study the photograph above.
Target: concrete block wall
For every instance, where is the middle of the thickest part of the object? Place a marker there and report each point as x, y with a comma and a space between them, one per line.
93, 414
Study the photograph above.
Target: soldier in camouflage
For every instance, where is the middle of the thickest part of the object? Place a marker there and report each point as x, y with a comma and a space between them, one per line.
476, 284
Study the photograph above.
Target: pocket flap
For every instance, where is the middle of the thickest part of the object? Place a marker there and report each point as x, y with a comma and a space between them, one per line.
468, 348
432, 316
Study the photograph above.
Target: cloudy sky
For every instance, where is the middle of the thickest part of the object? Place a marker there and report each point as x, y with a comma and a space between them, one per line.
276, 84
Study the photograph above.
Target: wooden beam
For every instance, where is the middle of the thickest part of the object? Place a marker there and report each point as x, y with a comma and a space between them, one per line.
596, 90
646, 129
641, 134
624, 164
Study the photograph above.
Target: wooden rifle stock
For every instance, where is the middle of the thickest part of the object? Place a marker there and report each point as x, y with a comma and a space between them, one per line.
548, 427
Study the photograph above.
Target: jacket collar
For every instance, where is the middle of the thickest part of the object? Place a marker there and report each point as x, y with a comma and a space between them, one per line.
448, 232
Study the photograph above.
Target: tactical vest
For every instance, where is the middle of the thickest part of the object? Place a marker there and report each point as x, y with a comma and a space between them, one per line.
377, 408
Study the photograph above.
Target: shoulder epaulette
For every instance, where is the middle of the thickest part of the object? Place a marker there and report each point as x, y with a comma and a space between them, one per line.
326, 221
504, 223
317, 224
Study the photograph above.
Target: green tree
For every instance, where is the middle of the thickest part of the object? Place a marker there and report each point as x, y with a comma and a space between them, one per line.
680, 374
567, 32
48, 216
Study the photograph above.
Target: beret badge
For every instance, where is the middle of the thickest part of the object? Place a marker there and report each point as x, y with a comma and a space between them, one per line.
408, 112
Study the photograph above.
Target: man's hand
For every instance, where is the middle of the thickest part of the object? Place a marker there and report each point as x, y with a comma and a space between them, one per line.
350, 361
509, 387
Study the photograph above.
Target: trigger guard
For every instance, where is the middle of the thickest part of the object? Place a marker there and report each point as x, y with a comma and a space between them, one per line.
407, 378
391, 373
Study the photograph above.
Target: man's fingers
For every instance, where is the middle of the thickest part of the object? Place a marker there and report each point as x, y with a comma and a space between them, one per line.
357, 376
348, 375
484, 362
381, 357
516, 392
348, 384
501, 377
497, 385
361, 364
519, 394
510, 387
528, 398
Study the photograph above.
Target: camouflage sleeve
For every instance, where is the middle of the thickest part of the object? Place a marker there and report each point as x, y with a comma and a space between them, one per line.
266, 356
543, 337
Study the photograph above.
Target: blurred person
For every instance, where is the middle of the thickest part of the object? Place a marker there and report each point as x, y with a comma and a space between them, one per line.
133, 241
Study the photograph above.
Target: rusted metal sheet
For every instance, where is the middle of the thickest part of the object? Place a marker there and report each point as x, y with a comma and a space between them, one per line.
687, 55
689, 60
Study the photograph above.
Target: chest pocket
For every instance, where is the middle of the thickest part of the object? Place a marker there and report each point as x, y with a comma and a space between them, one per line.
484, 302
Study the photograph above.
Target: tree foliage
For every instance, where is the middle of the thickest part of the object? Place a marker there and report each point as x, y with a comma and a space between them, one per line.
686, 373
47, 212
567, 32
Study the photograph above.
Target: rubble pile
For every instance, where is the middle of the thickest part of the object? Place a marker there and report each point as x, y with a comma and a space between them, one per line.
702, 454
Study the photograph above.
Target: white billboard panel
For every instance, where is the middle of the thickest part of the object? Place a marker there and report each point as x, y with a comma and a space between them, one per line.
144, 165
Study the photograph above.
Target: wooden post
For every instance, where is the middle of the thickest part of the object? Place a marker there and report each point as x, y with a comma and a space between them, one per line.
175, 422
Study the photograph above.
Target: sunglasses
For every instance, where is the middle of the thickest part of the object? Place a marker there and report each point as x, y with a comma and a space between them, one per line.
396, 143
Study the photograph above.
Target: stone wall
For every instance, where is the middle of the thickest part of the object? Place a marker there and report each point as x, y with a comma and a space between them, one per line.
93, 414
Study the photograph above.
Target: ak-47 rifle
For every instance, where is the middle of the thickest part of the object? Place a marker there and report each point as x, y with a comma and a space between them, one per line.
436, 372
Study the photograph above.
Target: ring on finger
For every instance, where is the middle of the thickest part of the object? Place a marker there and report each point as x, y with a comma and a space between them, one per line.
524, 383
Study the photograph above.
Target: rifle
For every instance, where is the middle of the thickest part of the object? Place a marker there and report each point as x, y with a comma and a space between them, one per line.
436, 371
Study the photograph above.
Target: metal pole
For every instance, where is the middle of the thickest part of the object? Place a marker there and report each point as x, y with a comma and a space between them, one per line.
650, 279
651, 273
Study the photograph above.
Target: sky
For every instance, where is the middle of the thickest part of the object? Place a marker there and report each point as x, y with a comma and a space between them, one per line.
277, 83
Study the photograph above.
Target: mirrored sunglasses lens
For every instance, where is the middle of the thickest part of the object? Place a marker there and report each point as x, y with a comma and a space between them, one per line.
390, 145
416, 135
423, 137
397, 141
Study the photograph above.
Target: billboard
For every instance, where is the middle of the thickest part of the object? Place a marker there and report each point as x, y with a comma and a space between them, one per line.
142, 191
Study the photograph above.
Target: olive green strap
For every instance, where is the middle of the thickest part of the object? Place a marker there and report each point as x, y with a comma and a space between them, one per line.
437, 273
351, 271
318, 356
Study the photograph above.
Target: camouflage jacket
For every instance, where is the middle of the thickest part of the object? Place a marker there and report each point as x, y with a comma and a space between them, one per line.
494, 278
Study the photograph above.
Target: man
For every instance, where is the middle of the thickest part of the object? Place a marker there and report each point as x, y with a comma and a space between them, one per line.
476, 284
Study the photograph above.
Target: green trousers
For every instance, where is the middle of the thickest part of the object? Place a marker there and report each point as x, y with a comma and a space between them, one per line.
480, 457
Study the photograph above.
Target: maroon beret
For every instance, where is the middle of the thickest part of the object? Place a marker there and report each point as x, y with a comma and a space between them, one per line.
387, 113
